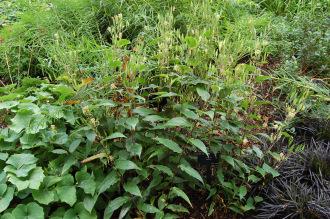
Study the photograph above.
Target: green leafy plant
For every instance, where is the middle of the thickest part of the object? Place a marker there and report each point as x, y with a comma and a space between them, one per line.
119, 152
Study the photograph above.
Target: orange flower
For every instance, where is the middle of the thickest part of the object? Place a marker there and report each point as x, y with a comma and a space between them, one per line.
86, 81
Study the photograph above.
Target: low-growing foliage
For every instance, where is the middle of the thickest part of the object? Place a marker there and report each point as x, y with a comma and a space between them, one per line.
119, 152
303, 189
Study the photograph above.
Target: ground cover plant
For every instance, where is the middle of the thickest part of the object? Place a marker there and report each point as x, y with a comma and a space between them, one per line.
164, 109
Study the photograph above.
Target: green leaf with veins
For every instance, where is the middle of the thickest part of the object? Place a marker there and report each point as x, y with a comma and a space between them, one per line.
67, 194
135, 149
203, 94
108, 181
199, 144
37, 123
177, 122
29, 211
163, 169
23, 171
43, 196
125, 165
176, 192
114, 205
132, 188
18, 160
169, 144
191, 172
21, 120
6, 194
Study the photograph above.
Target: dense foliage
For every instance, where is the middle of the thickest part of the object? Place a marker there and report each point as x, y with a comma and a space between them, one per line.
138, 109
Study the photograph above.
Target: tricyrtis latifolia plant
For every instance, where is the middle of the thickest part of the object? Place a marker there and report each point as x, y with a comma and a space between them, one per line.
61, 155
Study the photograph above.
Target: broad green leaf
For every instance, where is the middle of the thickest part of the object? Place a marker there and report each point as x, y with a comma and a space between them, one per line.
132, 188
89, 202
258, 152
228, 159
29, 211
276, 156
190, 114
109, 181
199, 144
162, 201
191, 172
147, 208
18, 160
114, 205
253, 178
176, 192
36, 178
6, 197
35, 109
165, 94
90, 135
68, 164
74, 145
21, 120
270, 170
125, 165
88, 185
169, 144
8, 104
33, 182
243, 166
163, 169
203, 94
242, 191
23, 171
154, 118
51, 180
43, 196
249, 205
29, 141
220, 176
105, 102
3, 189
70, 214
64, 91
55, 111
124, 210
82, 213
7, 216
37, 123
261, 171
177, 208
258, 199
20, 184
135, 149
210, 114
60, 138
115, 135
132, 122
177, 122
143, 111
3, 156
67, 194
